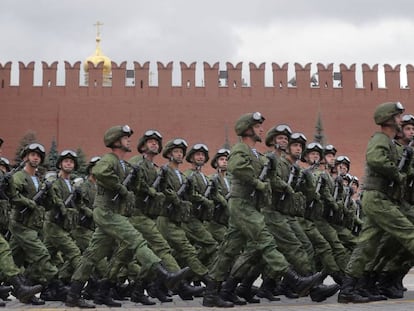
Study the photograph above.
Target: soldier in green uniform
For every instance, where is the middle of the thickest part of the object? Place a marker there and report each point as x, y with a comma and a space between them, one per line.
60, 220
148, 205
286, 205
8, 269
382, 196
202, 205
177, 208
82, 233
112, 202
220, 182
246, 224
27, 220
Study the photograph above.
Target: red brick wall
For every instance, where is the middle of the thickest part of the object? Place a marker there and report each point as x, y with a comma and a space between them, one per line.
77, 116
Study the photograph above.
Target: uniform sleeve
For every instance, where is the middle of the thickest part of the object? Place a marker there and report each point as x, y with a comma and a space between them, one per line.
106, 176
379, 157
240, 166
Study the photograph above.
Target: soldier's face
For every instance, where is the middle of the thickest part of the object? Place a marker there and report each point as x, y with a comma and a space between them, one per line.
33, 159
152, 146
199, 158
126, 143
342, 169
177, 155
314, 157
222, 163
282, 141
258, 131
408, 131
67, 165
330, 159
296, 150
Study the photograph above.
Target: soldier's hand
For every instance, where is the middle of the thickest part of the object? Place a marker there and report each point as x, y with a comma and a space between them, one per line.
209, 204
31, 204
159, 197
289, 189
152, 191
261, 185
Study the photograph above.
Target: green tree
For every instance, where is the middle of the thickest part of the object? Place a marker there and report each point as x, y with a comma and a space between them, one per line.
226, 144
319, 135
51, 158
82, 162
28, 138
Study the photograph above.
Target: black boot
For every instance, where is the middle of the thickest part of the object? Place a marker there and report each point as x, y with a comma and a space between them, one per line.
321, 292
187, 292
55, 291
386, 286
73, 299
366, 287
338, 277
211, 295
21, 291
228, 290
137, 294
90, 289
103, 297
156, 290
282, 288
5, 292
266, 289
244, 290
171, 279
301, 285
348, 293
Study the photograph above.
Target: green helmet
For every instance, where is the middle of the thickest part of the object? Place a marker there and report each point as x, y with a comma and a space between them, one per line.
298, 138
34, 147
314, 146
407, 119
175, 143
329, 149
282, 129
92, 163
67, 154
114, 133
148, 135
197, 147
386, 111
246, 121
5, 162
343, 160
221, 152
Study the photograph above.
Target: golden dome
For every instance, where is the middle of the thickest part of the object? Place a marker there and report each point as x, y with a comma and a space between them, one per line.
98, 57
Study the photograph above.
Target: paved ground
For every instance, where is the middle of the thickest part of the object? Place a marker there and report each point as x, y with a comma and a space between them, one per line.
407, 303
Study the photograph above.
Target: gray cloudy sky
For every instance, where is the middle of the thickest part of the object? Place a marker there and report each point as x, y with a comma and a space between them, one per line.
304, 31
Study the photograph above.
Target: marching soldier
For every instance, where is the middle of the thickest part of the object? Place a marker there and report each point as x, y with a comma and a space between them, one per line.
246, 222
112, 202
220, 181
382, 196
27, 219
202, 205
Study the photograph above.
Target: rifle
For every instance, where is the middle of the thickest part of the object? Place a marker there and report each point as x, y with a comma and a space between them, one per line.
206, 194
317, 190
127, 180
357, 227
403, 160
5, 179
38, 197
338, 182
264, 171
69, 202
180, 191
157, 181
292, 174
304, 172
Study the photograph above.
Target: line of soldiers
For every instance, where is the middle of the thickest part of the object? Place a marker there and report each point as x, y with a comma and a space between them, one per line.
291, 216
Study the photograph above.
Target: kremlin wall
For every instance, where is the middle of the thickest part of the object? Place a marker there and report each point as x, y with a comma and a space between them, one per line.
77, 115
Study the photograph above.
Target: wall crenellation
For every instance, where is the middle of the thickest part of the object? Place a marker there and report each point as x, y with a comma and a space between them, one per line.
303, 79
